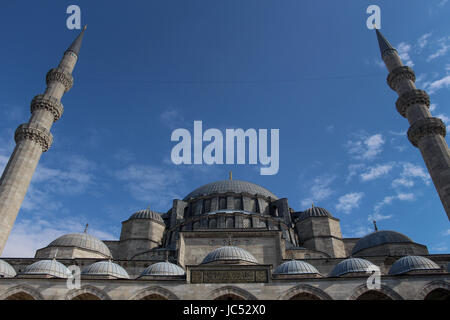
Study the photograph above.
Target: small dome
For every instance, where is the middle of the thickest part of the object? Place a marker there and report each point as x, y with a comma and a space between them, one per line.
147, 214
380, 237
351, 265
235, 186
314, 212
106, 268
229, 253
295, 267
412, 263
163, 269
48, 267
6, 271
82, 240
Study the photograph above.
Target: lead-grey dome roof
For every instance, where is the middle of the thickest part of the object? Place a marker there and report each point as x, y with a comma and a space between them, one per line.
380, 237
229, 253
351, 265
163, 269
106, 268
6, 270
295, 267
412, 263
48, 267
235, 186
147, 214
314, 212
82, 240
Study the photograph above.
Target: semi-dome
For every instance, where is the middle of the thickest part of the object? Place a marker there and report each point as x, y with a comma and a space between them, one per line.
295, 267
48, 268
351, 265
163, 269
380, 237
229, 253
106, 268
6, 270
314, 212
412, 263
235, 186
147, 214
82, 240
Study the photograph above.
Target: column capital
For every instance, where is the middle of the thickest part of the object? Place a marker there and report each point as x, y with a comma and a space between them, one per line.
59, 75
399, 74
34, 132
410, 98
425, 127
48, 103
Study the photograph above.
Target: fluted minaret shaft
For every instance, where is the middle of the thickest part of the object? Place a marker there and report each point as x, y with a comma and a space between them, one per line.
34, 138
425, 132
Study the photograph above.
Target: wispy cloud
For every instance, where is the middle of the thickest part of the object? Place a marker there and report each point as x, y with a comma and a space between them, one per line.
349, 201
403, 49
444, 46
423, 40
28, 235
376, 172
366, 147
433, 86
151, 184
172, 118
319, 190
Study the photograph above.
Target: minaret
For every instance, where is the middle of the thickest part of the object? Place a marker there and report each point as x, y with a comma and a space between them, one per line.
425, 132
34, 138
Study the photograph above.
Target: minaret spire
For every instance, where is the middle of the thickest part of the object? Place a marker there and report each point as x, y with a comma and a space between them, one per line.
383, 43
76, 44
425, 132
33, 138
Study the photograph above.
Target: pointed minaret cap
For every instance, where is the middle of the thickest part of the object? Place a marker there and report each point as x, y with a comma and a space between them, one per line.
76, 44
383, 43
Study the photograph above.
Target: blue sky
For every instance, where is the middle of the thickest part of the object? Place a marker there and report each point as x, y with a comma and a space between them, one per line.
309, 68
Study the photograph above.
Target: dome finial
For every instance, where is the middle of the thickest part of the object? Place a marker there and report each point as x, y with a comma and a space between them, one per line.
56, 253
148, 207
312, 204
166, 254
230, 241
375, 225
230, 175
85, 228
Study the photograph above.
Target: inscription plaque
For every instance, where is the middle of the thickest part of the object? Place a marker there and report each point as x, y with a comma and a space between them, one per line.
228, 276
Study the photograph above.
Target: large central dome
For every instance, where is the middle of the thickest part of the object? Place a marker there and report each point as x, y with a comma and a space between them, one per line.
235, 186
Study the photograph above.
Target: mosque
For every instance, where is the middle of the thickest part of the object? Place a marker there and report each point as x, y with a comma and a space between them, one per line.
229, 239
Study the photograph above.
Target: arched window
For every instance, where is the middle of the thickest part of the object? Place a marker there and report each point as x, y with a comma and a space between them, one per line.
212, 224
438, 294
373, 295
222, 203
86, 296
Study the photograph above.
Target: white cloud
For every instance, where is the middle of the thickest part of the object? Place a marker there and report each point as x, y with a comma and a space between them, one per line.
442, 3
436, 85
403, 51
413, 171
358, 232
172, 118
446, 233
28, 235
376, 172
153, 185
366, 148
349, 201
353, 170
433, 107
423, 40
378, 217
389, 199
402, 182
319, 190
444, 45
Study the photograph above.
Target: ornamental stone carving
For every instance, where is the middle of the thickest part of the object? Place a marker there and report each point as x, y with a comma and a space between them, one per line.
410, 98
425, 127
399, 74
61, 76
50, 104
35, 133
388, 53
